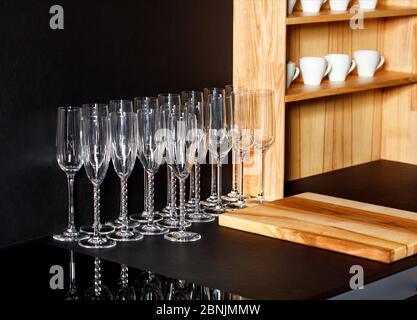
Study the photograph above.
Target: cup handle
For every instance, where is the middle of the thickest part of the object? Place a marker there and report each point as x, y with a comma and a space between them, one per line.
381, 63
297, 73
329, 68
353, 66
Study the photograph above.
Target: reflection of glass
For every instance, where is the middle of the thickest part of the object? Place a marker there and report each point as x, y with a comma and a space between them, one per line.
219, 139
125, 292
141, 103
181, 148
243, 135
151, 289
178, 291
124, 136
200, 292
72, 293
98, 291
95, 130
150, 151
69, 157
264, 129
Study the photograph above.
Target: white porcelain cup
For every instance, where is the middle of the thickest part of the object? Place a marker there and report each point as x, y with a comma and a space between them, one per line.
339, 5
292, 73
312, 6
368, 62
342, 66
291, 4
314, 69
368, 4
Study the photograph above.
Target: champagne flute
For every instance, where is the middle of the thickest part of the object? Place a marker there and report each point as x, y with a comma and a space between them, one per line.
219, 139
98, 291
125, 291
151, 151
124, 135
243, 135
88, 111
264, 129
96, 146
181, 148
198, 110
121, 106
140, 103
69, 157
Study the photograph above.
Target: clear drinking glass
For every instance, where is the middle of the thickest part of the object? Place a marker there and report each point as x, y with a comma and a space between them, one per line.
211, 201
151, 148
140, 103
194, 98
243, 134
181, 149
69, 157
124, 139
95, 130
198, 110
264, 128
219, 139
169, 102
72, 293
88, 111
121, 106
98, 291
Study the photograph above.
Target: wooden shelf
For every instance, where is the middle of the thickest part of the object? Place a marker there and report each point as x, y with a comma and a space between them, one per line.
382, 79
299, 17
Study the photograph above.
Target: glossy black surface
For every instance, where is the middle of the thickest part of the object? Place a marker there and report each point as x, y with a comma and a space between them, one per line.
259, 267
108, 49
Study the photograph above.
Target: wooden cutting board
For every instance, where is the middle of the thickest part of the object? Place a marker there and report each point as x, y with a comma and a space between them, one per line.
356, 228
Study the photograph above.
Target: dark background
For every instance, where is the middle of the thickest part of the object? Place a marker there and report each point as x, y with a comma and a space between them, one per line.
108, 49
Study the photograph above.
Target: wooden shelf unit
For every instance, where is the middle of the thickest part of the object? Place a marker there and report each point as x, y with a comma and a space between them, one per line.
382, 79
333, 126
326, 15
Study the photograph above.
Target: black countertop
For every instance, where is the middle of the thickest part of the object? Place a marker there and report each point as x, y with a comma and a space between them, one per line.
263, 268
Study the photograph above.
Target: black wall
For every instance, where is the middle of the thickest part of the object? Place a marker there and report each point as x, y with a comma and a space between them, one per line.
108, 49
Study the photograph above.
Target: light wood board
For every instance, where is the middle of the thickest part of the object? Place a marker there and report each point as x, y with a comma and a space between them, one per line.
355, 228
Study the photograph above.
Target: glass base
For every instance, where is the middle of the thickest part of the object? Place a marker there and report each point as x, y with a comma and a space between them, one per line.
99, 242
70, 236
232, 196
117, 224
143, 218
215, 211
125, 236
199, 217
171, 223
237, 205
190, 204
182, 236
103, 230
151, 230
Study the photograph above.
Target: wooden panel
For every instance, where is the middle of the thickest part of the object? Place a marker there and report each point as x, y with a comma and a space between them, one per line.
360, 229
259, 62
298, 17
399, 105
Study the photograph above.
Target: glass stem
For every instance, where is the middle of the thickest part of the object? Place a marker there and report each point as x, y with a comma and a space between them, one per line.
261, 195
169, 173
150, 197
123, 203
145, 183
219, 181
72, 270
182, 205
96, 225
71, 225
235, 157
242, 161
197, 187
213, 192
192, 185
173, 195
97, 277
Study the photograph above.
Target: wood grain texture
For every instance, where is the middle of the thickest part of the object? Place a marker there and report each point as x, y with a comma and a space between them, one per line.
359, 229
326, 15
259, 63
